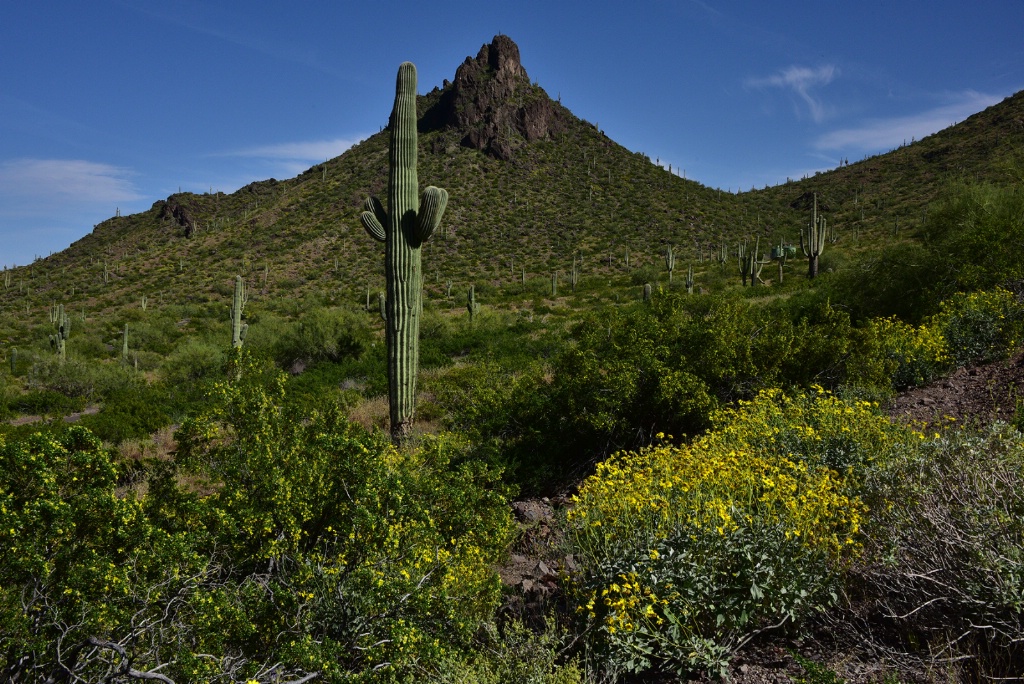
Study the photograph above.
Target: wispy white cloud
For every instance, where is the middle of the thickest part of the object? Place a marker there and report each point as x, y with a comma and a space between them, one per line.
65, 180
883, 134
312, 151
46, 204
801, 80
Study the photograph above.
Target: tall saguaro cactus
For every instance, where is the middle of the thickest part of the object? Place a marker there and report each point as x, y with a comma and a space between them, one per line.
403, 227
812, 240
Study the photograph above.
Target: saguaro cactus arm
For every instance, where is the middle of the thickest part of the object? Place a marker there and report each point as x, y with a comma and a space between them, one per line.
374, 218
432, 206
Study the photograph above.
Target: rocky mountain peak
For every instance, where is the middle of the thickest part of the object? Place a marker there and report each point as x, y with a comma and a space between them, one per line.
493, 104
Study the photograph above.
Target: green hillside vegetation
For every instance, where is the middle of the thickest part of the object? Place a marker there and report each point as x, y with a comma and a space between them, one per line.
588, 327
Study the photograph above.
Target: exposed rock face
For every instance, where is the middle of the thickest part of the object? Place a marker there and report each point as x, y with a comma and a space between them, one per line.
171, 209
494, 105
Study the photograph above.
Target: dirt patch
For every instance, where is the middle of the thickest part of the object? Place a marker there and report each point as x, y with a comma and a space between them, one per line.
977, 395
70, 418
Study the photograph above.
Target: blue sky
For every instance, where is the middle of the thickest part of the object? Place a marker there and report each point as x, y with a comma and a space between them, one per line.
114, 104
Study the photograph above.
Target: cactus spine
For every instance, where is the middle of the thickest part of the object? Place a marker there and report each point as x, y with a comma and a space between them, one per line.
812, 240
406, 224
238, 301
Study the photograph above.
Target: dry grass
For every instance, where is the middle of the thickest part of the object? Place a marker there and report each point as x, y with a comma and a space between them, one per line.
371, 413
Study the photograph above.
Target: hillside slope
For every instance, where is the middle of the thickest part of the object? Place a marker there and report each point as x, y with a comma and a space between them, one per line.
532, 187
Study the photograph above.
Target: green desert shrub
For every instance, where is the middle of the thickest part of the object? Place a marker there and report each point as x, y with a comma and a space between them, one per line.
135, 412
944, 547
895, 281
193, 360
275, 546
324, 335
975, 231
512, 653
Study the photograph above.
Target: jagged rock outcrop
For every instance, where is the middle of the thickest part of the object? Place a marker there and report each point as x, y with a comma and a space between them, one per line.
172, 209
493, 104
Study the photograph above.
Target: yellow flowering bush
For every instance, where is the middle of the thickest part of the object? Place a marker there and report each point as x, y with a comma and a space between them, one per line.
690, 550
897, 355
980, 326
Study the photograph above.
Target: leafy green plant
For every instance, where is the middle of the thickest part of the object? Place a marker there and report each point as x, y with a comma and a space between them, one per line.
324, 335
816, 673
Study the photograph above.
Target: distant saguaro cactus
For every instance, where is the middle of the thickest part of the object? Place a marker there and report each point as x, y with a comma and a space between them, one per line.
812, 240
670, 262
124, 345
403, 227
471, 304
58, 341
238, 302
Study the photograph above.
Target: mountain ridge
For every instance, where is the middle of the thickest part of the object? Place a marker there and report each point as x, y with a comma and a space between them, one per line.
531, 185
